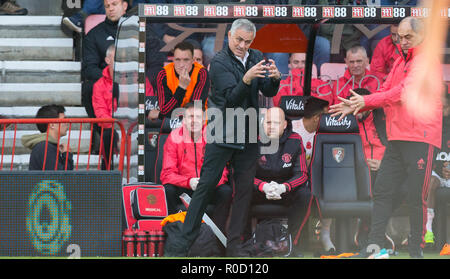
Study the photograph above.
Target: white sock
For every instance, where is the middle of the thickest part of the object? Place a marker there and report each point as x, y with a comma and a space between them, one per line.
430, 216
325, 235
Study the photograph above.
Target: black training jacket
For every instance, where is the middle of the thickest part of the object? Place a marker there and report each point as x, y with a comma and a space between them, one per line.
287, 165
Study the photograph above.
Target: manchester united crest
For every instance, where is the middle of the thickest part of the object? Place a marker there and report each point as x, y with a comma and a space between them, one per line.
151, 199
338, 154
286, 157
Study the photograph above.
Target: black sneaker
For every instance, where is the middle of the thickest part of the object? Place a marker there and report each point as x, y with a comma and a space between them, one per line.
415, 253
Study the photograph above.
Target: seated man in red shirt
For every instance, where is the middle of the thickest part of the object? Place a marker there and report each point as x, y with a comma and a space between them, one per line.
293, 84
356, 76
182, 162
105, 95
385, 54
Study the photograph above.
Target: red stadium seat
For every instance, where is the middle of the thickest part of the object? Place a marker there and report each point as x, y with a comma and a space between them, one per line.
332, 71
92, 21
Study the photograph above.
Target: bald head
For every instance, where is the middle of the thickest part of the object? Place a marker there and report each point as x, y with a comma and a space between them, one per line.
410, 33
274, 123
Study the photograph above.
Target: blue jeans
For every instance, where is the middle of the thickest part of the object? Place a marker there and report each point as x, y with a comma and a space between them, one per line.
93, 7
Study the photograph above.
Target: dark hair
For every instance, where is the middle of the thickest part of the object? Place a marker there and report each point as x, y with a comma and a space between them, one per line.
192, 105
184, 46
48, 111
362, 91
314, 106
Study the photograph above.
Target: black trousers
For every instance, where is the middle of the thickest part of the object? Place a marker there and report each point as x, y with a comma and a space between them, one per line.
405, 165
243, 168
218, 209
298, 200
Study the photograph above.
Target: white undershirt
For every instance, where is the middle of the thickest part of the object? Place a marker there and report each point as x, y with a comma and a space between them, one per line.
307, 137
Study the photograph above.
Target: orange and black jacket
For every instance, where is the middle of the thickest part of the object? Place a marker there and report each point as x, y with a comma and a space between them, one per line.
171, 96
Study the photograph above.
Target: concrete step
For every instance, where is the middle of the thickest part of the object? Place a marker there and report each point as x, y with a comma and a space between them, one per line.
38, 94
36, 49
16, 112
40, 71
20, 149
21, 161
30, 112
31, 27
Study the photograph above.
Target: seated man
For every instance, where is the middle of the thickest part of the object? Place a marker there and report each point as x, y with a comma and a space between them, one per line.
293, 84
356, 75
104, 101
282, 177
385, 54
307, 126
181, 81
182, 162
57, 153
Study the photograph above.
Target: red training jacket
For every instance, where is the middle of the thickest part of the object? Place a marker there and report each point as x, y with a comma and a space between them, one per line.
400, 124
183, 158
293, 86
383, 58
102, 97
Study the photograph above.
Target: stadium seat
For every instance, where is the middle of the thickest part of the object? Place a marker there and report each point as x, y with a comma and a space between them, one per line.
152, 129
332, 71
293, 106
92, 21
442, 202
446, 72
168, 124
340, 177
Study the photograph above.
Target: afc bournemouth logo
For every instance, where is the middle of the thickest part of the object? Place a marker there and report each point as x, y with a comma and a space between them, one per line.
151, 199
338, 154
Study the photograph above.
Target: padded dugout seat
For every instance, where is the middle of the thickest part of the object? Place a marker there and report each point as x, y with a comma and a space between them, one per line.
152, 129
340, 177
168, 124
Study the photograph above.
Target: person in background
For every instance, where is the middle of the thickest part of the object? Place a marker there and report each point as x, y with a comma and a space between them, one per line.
356, 75
385, 54
293, 84
58, 155
104, 101
181, 81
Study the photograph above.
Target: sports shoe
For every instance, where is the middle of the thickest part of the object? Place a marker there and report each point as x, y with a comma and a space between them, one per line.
383, 254
429, 238
74, 23
362, 233
11, 8
415, 253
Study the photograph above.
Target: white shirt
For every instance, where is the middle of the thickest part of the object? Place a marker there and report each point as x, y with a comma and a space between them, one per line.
243, 61
307, 137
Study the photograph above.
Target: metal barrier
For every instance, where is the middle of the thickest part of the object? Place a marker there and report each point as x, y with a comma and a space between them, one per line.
7, 123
